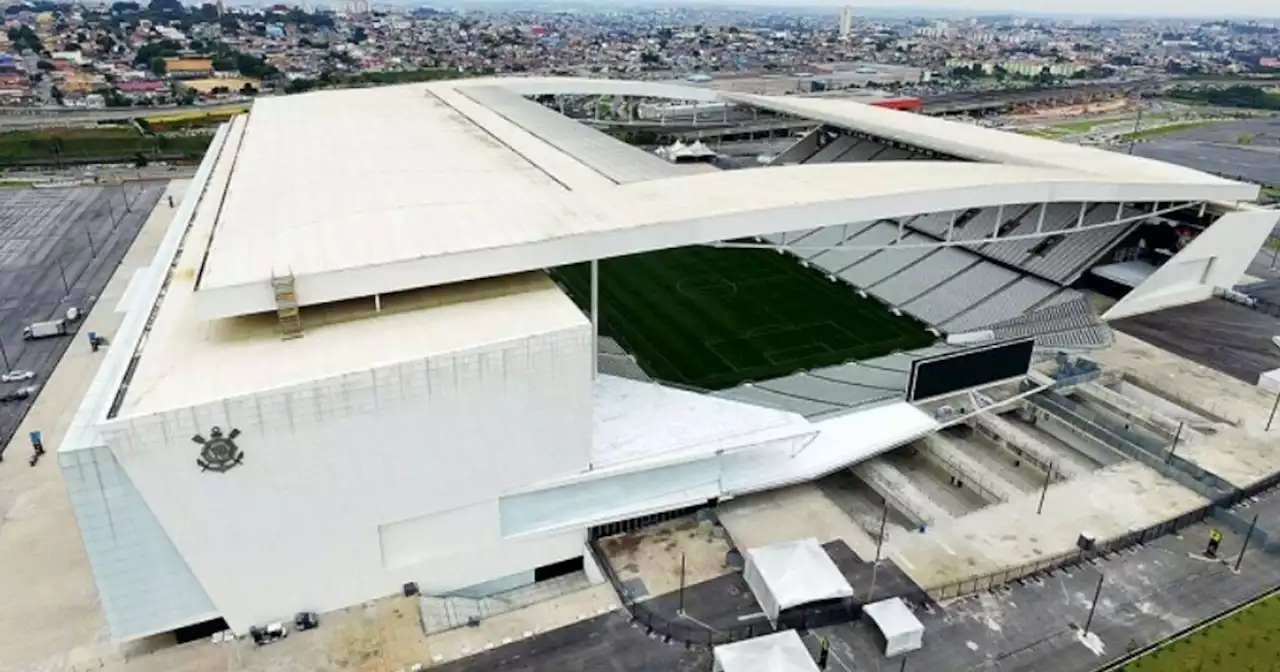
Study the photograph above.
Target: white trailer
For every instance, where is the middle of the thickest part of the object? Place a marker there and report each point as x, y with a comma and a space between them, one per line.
44, 329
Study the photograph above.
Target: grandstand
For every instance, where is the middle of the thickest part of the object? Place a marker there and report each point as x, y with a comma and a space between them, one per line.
392, 301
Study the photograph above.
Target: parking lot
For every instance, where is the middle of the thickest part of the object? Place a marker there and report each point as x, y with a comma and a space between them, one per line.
1248, 149
58, 247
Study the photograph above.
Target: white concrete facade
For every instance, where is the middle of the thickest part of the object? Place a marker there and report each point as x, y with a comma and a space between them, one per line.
352, 486
1217, 258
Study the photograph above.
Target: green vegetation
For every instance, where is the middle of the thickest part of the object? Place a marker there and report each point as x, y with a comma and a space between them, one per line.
95, 144
1080, 126
1166, 128
1048, 133
341, 80
1247, 641
1239, 95
22, 37
714, 318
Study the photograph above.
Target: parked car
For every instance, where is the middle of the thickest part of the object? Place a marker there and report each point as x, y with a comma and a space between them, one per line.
17, 375
271, 633
18, 394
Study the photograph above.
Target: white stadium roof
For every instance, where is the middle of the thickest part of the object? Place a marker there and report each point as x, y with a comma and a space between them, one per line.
370, 191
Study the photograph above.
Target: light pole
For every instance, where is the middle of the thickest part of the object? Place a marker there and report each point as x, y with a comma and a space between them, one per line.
1093, 607
5, 355
63, 273
1273, 412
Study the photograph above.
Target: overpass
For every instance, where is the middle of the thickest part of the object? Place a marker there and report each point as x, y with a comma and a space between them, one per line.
30, 117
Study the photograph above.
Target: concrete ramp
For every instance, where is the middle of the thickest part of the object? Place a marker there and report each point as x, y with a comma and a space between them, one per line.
1153, 420
1030, 445
976, 474
902, 494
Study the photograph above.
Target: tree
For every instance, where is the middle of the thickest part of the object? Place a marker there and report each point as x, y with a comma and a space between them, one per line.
300, 85
147, 53
23, 37
140, 160
156, 65
248, 89
167, 7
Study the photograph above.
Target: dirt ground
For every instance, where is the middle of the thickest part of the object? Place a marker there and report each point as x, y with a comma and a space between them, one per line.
653, 555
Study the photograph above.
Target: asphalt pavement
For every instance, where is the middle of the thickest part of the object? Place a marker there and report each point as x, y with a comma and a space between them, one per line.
58, 248
1219, 334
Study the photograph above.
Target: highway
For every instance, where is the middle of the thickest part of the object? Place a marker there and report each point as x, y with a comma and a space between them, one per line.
33, 117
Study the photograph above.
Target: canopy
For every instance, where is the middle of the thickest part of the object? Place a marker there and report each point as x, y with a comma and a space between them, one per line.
902, 631
779, 652
792, 573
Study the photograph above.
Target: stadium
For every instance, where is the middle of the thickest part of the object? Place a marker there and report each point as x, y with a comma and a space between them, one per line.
438, 334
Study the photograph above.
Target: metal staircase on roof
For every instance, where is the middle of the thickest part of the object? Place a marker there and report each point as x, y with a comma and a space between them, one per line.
287, 306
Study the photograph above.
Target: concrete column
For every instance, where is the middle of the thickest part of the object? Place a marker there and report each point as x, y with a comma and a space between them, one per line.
595, 318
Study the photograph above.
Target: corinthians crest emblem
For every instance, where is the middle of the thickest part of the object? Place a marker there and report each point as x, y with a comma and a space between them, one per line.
219, 452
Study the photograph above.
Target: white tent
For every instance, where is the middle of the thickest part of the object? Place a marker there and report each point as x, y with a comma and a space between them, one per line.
902, 631
793, 573
779, 652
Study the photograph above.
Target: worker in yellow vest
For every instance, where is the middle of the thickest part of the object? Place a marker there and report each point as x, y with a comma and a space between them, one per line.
1215, 540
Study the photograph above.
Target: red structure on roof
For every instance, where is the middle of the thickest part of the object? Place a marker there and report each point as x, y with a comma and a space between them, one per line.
905, 103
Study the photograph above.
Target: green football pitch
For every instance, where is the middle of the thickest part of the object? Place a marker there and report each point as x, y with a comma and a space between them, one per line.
713, 318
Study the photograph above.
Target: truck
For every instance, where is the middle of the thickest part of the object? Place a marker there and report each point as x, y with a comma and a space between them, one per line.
44, 329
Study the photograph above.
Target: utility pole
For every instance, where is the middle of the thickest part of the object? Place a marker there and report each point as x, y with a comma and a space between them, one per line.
1245, 545
1093, 607
89, 235
111, 212
884, 519
1048, 476
5, 355
63, 272
1177, 435
1273, 412
681, 610
1137, 124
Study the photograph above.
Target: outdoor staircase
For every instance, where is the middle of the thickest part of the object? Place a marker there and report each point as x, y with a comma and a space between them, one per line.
287, 306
